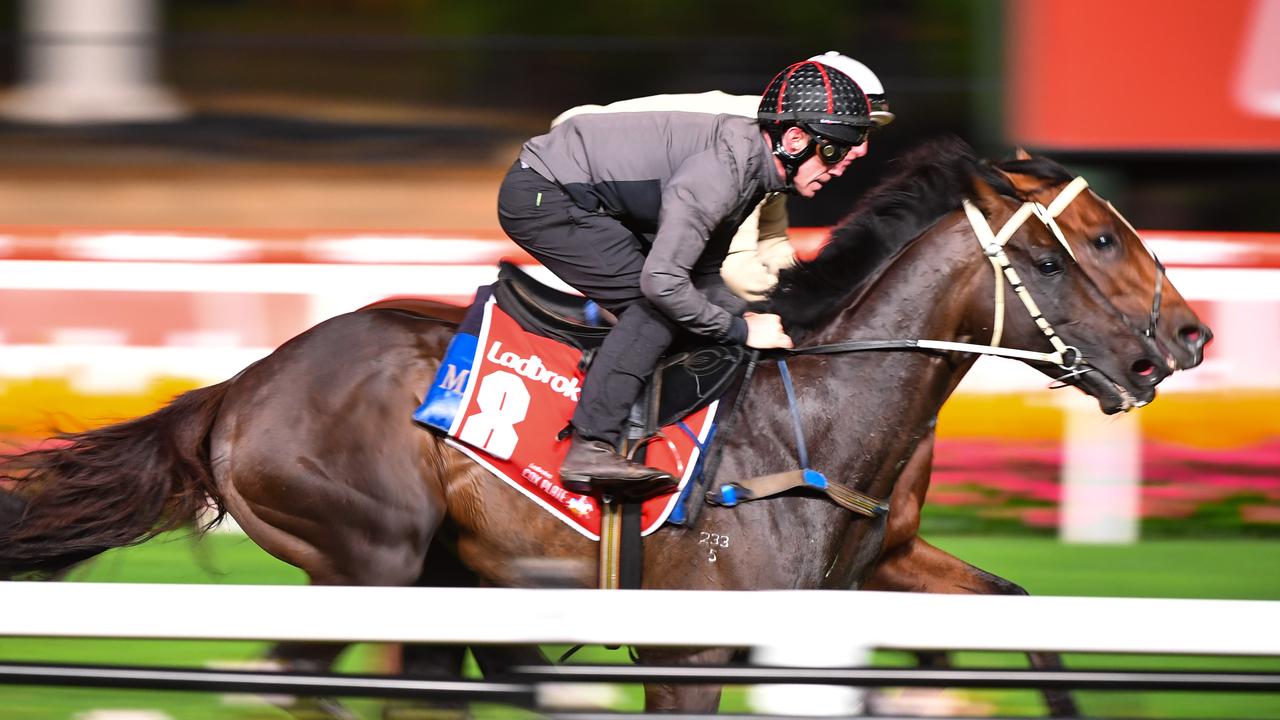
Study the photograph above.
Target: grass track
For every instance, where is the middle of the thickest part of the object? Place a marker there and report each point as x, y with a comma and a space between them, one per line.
1240, 569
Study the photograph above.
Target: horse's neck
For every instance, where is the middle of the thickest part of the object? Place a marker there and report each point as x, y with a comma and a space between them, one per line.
863, 413
884, 402
866, 412
925, 292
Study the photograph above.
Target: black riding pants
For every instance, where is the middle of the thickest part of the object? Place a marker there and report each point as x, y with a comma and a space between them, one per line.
602, 259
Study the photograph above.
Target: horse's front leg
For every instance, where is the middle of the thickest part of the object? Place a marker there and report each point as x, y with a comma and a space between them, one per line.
917, 566
703, 699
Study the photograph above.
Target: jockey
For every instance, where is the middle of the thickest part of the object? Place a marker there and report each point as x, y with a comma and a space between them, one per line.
636, 211
761, 248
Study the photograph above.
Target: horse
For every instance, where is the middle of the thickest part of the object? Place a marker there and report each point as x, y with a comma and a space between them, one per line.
1100, 235
313, 452
907, 562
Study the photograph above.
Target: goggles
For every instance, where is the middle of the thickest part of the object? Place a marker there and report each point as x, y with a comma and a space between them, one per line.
831, 151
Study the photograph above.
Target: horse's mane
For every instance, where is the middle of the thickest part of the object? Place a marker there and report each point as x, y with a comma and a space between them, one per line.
930, 182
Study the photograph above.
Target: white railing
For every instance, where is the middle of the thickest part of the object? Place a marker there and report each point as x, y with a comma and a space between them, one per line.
736, 619
783, 628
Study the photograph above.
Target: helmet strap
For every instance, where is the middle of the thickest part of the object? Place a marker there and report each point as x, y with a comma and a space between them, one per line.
791, 162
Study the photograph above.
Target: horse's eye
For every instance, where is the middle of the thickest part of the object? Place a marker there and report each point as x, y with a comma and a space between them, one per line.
1049, 267
1104, 241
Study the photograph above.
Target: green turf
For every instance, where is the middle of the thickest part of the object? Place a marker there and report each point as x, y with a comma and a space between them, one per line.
1218, 569
1244, 569
1225, 569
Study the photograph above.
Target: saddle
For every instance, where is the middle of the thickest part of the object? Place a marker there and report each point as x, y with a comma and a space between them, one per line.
510, 379
687, 379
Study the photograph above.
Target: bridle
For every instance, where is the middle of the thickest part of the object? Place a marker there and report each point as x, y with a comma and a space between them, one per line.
1155, 301
1066, 357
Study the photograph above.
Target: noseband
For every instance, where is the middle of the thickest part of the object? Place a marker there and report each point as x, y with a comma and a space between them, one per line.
993, 247
1064, 356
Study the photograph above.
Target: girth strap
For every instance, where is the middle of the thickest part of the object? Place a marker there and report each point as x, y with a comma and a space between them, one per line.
756, 488
801, 449
710, 461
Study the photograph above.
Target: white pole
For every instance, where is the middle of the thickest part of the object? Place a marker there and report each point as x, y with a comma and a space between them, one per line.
90, 61
809, 700
1101, 474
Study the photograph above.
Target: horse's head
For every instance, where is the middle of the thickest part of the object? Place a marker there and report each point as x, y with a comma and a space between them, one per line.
1109, 251
1091, 333
1044, 298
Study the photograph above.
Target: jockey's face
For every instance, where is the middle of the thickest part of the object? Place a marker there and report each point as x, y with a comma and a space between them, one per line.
813, 174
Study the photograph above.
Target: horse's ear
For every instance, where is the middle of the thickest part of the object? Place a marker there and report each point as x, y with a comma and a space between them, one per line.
1023, 183
985, 197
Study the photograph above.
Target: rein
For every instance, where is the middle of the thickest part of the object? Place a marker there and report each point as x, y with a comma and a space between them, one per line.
1066, 357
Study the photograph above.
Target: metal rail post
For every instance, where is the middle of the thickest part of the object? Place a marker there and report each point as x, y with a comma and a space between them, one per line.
90, 61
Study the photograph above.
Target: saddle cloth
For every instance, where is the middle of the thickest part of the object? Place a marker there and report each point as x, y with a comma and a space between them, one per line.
503, 394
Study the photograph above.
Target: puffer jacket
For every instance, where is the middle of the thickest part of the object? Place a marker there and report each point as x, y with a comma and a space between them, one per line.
687, 180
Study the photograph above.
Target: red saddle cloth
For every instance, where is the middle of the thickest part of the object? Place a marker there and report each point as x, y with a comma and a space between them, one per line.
503, 396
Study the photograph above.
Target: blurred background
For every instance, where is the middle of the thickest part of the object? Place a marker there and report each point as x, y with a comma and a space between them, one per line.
186, 184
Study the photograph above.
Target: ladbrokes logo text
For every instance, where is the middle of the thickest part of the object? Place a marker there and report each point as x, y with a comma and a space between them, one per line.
533, 369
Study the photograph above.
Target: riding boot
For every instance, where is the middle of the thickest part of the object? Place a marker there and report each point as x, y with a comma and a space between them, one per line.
593, 467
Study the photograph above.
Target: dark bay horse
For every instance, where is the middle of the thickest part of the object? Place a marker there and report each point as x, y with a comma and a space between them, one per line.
1100, 238
312, 451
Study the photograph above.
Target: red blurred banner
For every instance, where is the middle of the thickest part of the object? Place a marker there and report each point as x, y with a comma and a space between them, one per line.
1144, 74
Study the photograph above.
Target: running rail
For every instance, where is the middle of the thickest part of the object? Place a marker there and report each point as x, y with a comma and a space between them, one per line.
801, 618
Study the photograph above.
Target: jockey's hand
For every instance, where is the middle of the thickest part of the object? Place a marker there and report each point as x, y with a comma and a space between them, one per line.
764, 331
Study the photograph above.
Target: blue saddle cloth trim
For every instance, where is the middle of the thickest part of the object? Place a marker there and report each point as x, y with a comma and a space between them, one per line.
443, 400
689, 432
678, 515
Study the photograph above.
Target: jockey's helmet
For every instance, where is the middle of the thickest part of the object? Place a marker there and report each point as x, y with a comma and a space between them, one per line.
819, 98
822, 101
866, 79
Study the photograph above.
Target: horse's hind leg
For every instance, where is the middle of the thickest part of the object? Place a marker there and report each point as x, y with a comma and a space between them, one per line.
917, 566
443, 569
336, 553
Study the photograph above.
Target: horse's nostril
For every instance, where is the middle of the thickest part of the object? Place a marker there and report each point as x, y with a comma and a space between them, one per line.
1195, 335
1144, 368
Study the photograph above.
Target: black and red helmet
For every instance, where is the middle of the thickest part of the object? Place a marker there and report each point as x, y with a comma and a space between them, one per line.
819, 98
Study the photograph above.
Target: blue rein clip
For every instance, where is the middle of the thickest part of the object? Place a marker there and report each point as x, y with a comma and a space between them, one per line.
815, 479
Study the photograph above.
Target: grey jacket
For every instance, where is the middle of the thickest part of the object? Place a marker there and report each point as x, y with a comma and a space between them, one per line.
686, 180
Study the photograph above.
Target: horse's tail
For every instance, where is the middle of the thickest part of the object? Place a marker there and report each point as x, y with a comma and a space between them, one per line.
118, 485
